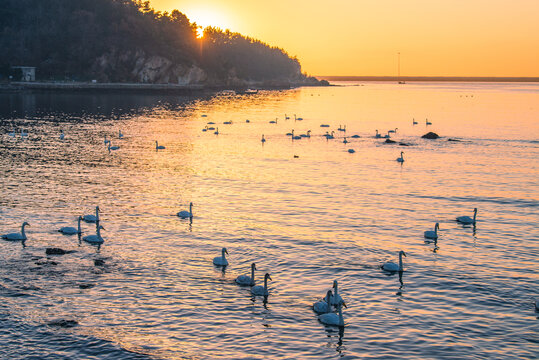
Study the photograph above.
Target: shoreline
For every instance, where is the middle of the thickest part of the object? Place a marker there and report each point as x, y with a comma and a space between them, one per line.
144, 88
430, 78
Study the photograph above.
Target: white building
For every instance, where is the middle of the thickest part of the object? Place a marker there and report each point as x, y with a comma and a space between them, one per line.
28, 72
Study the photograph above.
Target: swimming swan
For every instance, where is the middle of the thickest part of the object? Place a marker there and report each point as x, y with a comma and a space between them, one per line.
69, 230
17, 236
184, 214
393, 131
120, 135
429, 234
246, 279
322, 306
260, 290
336, 299
112, 147
221, 260
92, 218
466, 219
401, 159
391, 266
158, 147
332, 318
414, 122
95, 239
263, 139
377, 136
62, 136
427, 122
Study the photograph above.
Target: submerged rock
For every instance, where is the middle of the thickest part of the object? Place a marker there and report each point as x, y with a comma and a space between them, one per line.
389, 141
99, 262
63, 323
86, 286
404, 144
457, 140
55, 251
45, 262
430, 135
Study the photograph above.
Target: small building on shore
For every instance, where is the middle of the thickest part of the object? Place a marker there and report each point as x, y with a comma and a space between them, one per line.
28, 73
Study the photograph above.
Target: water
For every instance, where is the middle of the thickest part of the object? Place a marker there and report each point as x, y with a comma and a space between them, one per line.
324, 215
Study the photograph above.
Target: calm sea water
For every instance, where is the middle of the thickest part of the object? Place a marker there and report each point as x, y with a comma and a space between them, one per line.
308, 220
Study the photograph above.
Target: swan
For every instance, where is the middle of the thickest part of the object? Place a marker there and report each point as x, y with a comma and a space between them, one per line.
246, 279
23, 134
120, 135
332, 319
345, 141
324, 125
401, 159
322, 306
342, 128
211, 128
92, 218
221, 260
227, 122
184, 214
377, 136
386, 136
12, 134
391, 266
286, 117
158, 147
62, 135
414, 122
336, 299
69, 230
216, 132
205, 128
203, 115
427, 122
308, 135
106, 141
393, 131
263, 139
273, 121
260, 290
247, 121
297, 118
95, 239
429, 234
112, 147
210, 123
351, 151
290, 133
296, 137
466, 219
17, 236
330, 136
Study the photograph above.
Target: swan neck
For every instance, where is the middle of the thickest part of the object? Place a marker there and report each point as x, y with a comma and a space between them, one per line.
266, 283
98, 232
79, 225
400, 261
474, 215
22, 229
252, 274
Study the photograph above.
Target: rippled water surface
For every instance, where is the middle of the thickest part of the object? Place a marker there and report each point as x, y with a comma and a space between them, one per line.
308, 220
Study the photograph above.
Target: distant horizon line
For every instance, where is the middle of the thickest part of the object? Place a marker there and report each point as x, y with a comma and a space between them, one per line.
429, 78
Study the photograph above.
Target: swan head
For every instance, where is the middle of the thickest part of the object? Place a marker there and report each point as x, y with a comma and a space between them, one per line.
402, 253
402, 152
437, 226
329, 294
224, 251
101, 227
335, 284
475, 210
267, 277
253, 266
25, 224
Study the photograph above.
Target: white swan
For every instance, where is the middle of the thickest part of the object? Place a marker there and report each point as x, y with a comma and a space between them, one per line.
345, 141
95, 239
392, 267
69, 230
205, 128
17, 236
23, 133
286, 117
106, 141
260, 290
414, 122
158, 147
246, 279
330, 136
92, 218
429, 234
221, 260
290, 133
377, 136
227, 122
322, 306
308, 135
401, 159
393, 131
184, 214
62, 136
336, 299
427, 122
332, 318
468, 220
273, 121
112, 147
216, 132
263, 139
297, 118
120, 135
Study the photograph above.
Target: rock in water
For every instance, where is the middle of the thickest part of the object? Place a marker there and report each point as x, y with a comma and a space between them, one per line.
63, 323
389, 141
430, 135
55, 251
99, 262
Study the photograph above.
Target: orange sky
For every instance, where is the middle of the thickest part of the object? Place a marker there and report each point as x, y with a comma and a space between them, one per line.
363, 37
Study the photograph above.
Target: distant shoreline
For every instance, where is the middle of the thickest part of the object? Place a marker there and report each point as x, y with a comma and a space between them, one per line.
429, 78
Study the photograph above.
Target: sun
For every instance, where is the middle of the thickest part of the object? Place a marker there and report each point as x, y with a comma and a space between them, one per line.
205, 17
